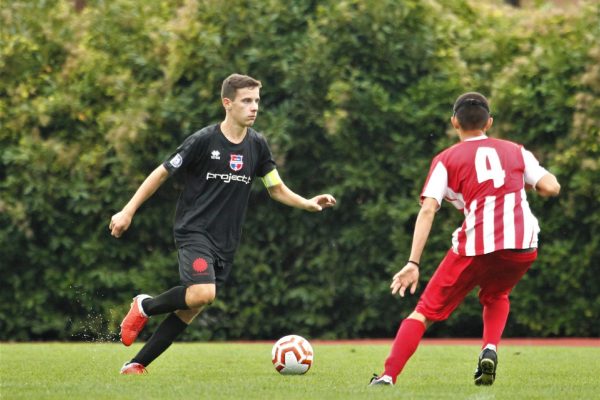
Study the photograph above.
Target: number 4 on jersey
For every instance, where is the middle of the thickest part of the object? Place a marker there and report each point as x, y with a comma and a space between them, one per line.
487, 165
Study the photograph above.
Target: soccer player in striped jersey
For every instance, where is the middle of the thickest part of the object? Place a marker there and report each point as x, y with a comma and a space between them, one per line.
218, 165
484, 178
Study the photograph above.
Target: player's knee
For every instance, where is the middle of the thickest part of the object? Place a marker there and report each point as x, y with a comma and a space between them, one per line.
188, 316
198, 301
200, 295
489, 299
422, 318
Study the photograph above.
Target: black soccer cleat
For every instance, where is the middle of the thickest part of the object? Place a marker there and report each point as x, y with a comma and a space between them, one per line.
485, 374
381, 380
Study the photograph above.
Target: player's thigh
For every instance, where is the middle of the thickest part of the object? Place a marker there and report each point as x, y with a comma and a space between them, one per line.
196, 264
222, 270
203, 272
502, 271
454, 278
200, 294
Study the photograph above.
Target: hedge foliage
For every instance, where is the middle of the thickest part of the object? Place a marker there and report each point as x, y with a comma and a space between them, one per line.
356, 101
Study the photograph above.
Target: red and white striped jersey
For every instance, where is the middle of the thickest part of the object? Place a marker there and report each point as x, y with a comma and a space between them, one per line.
485, 178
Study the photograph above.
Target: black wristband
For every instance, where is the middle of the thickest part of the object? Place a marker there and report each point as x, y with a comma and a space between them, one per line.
413, 262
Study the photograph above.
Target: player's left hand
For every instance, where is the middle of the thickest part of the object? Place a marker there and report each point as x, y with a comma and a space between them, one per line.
320, 202
405, 278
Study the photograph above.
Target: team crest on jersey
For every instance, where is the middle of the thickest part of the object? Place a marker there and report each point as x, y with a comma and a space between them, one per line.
236, 162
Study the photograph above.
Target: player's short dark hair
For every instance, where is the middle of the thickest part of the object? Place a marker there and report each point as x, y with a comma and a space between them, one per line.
236, 81
472, 110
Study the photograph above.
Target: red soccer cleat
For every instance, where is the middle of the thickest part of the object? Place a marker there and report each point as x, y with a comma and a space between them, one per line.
134, 321
132, 368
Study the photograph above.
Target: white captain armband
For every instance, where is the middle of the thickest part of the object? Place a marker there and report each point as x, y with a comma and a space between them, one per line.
271, 179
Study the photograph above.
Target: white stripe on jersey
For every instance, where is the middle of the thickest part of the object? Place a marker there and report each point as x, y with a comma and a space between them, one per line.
455, 238
530, 223
470, 229
488, 224
509, 221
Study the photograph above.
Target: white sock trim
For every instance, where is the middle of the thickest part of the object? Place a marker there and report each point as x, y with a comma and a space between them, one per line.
139, 299
491, 347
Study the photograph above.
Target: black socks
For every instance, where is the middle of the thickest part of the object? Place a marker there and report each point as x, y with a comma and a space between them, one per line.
169, 301
165, 334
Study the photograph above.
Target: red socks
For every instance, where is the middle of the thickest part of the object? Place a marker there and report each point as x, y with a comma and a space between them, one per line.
494, 320
411, 331
405, 344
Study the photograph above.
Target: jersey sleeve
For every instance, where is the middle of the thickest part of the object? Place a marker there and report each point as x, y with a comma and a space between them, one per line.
266, 163
436, 182
533, 170
184, 155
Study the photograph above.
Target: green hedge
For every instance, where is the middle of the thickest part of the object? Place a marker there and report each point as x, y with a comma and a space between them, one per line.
356, 101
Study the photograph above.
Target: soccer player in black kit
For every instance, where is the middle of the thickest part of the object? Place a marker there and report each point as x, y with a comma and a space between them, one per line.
218, 165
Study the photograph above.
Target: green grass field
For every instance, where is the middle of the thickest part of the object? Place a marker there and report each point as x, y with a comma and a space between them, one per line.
244, 371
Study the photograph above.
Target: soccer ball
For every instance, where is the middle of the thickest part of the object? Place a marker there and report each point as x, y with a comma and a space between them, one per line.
292, 355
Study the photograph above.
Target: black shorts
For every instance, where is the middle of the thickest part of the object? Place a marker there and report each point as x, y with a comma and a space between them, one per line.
199, 263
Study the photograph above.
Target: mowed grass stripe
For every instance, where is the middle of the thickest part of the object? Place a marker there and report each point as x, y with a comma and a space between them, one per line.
244, 371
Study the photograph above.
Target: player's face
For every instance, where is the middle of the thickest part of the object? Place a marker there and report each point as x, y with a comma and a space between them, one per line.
244, 108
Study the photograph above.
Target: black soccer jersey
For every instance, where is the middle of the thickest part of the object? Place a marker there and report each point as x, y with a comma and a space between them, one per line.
217, 176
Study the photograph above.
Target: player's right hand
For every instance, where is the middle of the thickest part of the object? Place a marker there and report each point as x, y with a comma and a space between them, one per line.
119, 223
405, 278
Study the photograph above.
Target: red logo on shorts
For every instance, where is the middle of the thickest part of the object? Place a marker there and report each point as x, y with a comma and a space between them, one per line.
200, 265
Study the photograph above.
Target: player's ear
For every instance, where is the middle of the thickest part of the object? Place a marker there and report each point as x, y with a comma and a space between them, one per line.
226, 103
489, 124
454, 122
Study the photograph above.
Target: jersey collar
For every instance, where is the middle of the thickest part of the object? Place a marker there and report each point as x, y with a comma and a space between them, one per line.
472, 139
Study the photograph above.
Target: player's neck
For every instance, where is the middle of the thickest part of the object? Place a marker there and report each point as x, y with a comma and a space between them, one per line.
464, 135
235, 133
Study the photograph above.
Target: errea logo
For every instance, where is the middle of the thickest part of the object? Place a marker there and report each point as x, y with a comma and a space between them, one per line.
215, 155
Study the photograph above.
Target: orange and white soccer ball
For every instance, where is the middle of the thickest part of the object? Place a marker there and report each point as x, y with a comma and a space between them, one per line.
292, 355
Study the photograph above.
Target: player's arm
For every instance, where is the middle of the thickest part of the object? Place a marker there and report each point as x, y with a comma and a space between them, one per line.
548, 186
408, 276
281, 193
120, 222
539, 178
